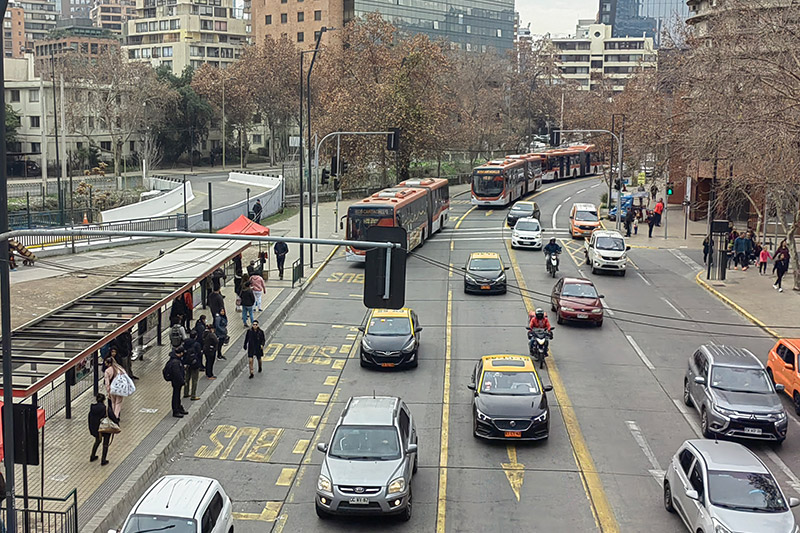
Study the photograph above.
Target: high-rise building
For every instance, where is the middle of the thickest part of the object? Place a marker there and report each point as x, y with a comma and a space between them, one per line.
651, 18
75, 9
40, 19
472, 25
14, 31
177, 33
87, 42
112, 14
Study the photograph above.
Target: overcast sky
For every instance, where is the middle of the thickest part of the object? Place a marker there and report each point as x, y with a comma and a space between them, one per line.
555, 16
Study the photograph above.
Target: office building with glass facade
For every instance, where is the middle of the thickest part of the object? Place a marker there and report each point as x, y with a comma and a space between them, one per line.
634, 18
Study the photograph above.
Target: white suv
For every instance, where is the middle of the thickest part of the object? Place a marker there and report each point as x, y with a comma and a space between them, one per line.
182, 503
606, 250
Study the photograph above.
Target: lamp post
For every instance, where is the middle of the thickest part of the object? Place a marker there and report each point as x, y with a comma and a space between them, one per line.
247, 211
55, 124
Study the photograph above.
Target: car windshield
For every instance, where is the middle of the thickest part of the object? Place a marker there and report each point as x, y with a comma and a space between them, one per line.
510, 383
140, 522
586, 216
367, 443
528, 225
735, 379
745, 491
389, 326
519, 209
578, 290
610, 243
478, 265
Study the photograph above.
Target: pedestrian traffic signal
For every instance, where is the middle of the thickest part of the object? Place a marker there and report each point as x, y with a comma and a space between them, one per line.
555, 137
334, 166
345, 166
326, 176
670, 189
393, 140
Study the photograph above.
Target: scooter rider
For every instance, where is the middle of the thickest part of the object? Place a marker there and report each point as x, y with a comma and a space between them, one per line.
551, 248
539, 320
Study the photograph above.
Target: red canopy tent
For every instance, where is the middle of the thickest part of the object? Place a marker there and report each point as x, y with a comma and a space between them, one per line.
40, 419
244, 226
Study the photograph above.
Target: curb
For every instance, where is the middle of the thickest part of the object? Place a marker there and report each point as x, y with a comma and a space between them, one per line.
736, 307
119, 504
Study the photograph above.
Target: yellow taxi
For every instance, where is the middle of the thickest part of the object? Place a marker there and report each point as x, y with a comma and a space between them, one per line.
391, 338
509, 400
485, 272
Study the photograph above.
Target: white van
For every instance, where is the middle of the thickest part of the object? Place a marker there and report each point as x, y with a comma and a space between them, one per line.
606, 250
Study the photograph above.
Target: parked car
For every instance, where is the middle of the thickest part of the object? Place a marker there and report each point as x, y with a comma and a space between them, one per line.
733, 394
391, 338
180, 503
369, 461
784, 368
576, 299
722, 487
606, 250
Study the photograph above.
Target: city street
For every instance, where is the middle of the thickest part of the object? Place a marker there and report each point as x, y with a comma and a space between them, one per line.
616, 411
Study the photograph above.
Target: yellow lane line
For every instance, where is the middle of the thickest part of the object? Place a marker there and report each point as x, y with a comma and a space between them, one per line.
322, 398
590, 478
460, 220
286, 476
312, 422
489, 212
301, 446
301, 324
445, 434
322, 265
736, 307
331, 380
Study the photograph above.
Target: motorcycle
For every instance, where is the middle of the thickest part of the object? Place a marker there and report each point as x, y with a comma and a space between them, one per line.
538, 344
552, 263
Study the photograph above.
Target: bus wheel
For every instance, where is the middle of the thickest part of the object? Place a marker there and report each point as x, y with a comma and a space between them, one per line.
441, 223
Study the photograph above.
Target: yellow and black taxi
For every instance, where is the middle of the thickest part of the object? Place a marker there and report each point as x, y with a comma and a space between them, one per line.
485, 273
509, 400
391, 338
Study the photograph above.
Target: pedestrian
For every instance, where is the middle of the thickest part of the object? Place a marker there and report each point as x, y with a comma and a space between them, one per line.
248, 301
188, 302
12, 261
113, 369
217, 277
257, 210
237, 283
742, 247
628, 221
651, 221
177, 333
763, 257
254, 341
653, 191
97, 412
281, 249
658, 210
210, 342
781, 264
706, 248
124, 345
221, 331
200, 327
178, 311
216, 302
192, 361
257, 286
176, 375
635, 226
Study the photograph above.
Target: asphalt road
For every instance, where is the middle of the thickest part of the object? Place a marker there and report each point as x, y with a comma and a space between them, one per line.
617, 416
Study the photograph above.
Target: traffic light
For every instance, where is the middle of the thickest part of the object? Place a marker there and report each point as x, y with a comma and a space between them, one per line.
336, 184
670, 189
326, 176
393, 140
334, 166
555, 137
345, 166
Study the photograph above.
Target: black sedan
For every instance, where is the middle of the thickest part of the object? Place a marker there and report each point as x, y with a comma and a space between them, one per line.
391, 338
485, 273
522, 209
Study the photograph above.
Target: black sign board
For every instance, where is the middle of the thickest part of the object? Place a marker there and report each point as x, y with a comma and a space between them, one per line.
375, 269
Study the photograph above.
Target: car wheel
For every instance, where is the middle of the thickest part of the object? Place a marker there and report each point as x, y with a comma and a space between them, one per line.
552, 306
796, 398
668, 497
587, 260
416, 464
599, 323
322, 513
622, 273
405, 516
594, 270
687, 398
771, 377
704, 425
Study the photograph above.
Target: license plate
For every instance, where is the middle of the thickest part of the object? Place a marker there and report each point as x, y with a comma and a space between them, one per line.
387, 365
513, 434
485, 287
753, 431
359, 500
583, 315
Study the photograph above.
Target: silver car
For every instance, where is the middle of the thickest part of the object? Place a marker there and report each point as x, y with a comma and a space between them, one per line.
731, 390
369, 461
722, 487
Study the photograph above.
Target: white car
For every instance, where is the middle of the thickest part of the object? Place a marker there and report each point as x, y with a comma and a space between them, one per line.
527, 233
722, 487
185, 504
606, 250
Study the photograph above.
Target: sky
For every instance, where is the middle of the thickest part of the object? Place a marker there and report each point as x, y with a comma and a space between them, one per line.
555, 16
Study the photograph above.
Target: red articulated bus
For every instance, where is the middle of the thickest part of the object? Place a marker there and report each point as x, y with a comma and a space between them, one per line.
438, 200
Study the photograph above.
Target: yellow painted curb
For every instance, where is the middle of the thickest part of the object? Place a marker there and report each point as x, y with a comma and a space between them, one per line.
736, 307
322, 265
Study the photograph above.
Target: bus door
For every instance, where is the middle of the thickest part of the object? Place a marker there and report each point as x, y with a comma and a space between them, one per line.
563, 166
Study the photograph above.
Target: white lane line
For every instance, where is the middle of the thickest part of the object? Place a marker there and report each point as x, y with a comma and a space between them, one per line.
692, 424
657, 472
605, 305
793, 481
685, 259
595, 185
643, 278
673, 307
555, 226
567, 199
580, 191
640, 353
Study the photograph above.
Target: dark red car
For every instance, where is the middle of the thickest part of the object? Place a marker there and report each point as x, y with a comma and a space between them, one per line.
576, 299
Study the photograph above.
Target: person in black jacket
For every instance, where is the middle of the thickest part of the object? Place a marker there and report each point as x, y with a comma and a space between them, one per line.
210, 342
281, 249
177, 377
124, 345
217, 277
97, 412
248, 301
254, 341
192, 361
216, 302
200, 328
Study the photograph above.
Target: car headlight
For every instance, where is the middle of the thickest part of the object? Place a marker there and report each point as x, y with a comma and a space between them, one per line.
780, 416
723, 411
397, 485
597, 311
541, 418
324, 484
366, 345
482, 416
502, 277
470, 278
515, 235
719, 527
567, 309
409, 347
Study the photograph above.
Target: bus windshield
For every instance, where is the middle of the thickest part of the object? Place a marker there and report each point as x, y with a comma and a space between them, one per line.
488, 184
360, 218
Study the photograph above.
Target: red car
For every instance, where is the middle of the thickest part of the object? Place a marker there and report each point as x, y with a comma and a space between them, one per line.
576, 299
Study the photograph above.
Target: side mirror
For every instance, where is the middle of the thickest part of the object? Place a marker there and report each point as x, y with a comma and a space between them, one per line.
779, 387
627, 248
323, 447
362, 329
788, 366
548, 388
417, 330
692, 495
700, 380
794, 502
471, 386
412, 448
602, 296
506, 268
570, 217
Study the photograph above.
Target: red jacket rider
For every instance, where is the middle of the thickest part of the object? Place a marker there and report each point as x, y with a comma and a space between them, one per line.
538, 323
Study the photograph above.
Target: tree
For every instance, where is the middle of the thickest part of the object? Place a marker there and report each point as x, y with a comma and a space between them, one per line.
12, 124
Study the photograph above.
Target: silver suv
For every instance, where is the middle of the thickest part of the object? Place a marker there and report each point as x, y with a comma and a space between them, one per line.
369, 461
733, 394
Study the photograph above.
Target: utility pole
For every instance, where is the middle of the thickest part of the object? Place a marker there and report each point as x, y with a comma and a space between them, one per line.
308, 110
64, 151
55, 124
42, 101
223, 122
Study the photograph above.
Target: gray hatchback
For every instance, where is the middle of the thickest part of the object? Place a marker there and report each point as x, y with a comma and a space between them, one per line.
369, 461
731, 390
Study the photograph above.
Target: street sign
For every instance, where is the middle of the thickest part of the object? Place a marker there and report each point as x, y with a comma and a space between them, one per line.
294, 141
375, 272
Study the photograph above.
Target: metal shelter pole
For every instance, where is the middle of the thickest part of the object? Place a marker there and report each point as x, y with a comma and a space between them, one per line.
300, 172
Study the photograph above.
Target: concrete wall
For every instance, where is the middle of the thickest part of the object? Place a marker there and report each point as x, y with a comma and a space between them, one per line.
255, 179
271, 200
162, 205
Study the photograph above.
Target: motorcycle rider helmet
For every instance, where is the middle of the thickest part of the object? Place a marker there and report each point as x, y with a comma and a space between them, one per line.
552, 241
539, 313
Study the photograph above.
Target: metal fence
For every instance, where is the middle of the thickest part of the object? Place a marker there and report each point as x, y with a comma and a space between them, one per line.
17, 188
36, 514
48, 219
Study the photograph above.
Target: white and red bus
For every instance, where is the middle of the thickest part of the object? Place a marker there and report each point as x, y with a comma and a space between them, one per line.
438, 200
533, 170
404, 207
499, 182
574, 161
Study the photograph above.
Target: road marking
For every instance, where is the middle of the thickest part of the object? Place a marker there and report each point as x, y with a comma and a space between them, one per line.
338, 326
741, 310
331, 381
640, 353
793, 481
605, 306
301, 446
346, 277
515, 472
680, 314
300, 324
450, 270
643, 278
258, 445
692, 423
312, 422
595, 185
489, 212
452, 245
318, 293
338, 364
356, 295
558, 208
460, 220
269, 514
286, 476
580, 191
685, 259
445, 433
657, 472
322, 398
604, 517
350, 336
567, 199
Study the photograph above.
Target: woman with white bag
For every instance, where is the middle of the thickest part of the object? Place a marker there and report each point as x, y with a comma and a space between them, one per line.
118, 383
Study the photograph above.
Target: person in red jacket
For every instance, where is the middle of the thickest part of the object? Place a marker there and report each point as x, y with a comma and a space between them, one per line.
538, 320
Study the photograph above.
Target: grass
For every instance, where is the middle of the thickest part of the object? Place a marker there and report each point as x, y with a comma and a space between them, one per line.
285, 213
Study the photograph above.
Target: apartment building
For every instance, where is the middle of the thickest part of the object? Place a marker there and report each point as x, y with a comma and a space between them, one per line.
89, 42
14, 31
594, 58
178, 33
112, 14
40, 19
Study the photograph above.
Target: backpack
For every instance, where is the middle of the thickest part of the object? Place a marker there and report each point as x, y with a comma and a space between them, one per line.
166, 372
175, 336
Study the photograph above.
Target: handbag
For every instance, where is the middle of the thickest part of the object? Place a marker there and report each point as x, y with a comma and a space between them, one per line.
108, 426
122, 385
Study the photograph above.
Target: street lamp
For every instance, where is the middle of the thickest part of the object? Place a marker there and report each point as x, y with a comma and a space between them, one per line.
248, 203
55, 124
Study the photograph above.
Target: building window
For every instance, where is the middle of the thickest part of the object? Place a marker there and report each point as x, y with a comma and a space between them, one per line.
14, 95
105, 146
301, 37
435, 24
166, 51
175, 24
284, 1
220, 25
35, 122
301, 16
318, 15
33, 95
133, 146
316, 35
91, 123
284, 18
268, 19
79, 145
36, 148
256, 139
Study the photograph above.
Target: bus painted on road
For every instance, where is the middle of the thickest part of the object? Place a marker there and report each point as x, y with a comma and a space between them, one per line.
438, 200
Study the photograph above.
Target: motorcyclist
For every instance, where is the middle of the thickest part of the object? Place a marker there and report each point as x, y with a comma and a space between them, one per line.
538, 320
551, 248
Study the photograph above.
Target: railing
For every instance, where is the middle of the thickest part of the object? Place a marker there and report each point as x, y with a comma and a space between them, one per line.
36, 514
48, 219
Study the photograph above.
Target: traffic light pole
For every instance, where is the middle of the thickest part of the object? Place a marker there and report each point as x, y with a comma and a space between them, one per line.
338, 156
